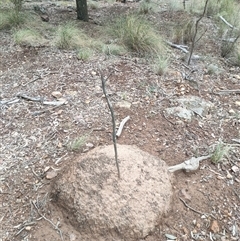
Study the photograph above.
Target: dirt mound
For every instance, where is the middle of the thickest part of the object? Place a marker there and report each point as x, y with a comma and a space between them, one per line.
99, 205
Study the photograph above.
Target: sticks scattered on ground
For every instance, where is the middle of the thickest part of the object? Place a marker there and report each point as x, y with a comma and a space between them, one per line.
55, 226
41, 99
194, 210
176, 46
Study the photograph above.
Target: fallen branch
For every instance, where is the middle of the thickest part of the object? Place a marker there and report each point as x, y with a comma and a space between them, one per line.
119, 132
226, 22
196, 211
226, 92
46, 110
236, 140
181, 47
40, 99
8, 102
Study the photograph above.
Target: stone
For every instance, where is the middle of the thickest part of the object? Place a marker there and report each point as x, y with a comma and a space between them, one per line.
57, 94
214, 227
103, 207
123, 104
51, 174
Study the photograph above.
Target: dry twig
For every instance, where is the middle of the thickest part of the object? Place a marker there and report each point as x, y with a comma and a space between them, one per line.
55, 226
113, 119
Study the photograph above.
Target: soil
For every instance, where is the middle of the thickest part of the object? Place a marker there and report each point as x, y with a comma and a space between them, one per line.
36, 138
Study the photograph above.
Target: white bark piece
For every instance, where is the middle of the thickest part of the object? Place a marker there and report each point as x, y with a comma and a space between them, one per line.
189, 165
119, 132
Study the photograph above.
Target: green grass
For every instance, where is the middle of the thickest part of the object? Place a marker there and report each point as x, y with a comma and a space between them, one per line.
161, 64
84, 54
145, 7
136, 34
113, 49
220, 152
77, 144
11, 18
69, 36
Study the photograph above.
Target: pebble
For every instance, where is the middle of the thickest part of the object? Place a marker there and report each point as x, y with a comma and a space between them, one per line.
214, 227
57, 94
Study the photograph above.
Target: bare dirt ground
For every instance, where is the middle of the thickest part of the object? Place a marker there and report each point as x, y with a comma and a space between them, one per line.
35, 137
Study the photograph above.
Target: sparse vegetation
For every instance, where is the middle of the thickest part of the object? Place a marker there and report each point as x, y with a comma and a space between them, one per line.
145, 7
161, 64
77, 144
84, 54
221, 150
92, 5
113, 49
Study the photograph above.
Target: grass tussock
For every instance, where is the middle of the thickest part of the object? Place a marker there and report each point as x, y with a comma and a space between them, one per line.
69, 36
136, 34
84, 54
11, 18
114, 49
28, 37
220, 152
145, 7
161, 64
184, 32
77, 144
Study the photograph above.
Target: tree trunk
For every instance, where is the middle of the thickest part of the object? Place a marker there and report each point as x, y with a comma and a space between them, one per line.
82, 10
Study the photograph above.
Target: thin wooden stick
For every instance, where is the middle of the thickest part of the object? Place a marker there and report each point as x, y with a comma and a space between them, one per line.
113, 120
196, 31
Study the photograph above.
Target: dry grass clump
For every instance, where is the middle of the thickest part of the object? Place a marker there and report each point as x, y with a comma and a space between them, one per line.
28, 37
69, 36
136, 34
11, 18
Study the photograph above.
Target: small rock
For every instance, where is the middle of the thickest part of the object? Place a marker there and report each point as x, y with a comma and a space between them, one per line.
229, 176
170, 236
184, 193
45, 18
28, 228
231, 111
214, 227
89, 145
185, 230
93, 73
72, 237
235, 168
123, 104
237, 103
57, 94
51, 174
